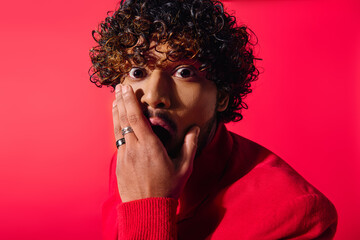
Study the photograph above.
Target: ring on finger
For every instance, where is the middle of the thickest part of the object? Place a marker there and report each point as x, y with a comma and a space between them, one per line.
120, 142
126, 130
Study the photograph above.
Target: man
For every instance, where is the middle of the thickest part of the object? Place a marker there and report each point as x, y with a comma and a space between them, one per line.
180, 69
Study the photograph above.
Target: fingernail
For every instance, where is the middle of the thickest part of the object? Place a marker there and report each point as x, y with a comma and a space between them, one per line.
125, 89
118, 88
197, 131
114, 104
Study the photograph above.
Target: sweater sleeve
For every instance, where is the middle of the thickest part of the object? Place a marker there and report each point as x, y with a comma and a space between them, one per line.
147, 219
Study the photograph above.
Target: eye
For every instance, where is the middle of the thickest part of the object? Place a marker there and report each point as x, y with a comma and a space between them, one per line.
184, 72
137, 72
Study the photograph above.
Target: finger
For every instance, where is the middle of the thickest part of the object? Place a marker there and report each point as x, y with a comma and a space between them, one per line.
123, 118
116, 121
188, 151
135, 114
117, 127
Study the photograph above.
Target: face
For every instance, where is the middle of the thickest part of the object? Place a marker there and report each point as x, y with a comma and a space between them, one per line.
175, 96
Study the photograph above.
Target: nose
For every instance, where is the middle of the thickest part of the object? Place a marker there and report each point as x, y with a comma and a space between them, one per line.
157, 90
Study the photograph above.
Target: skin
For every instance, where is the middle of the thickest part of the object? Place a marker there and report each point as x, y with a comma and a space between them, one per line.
171, 107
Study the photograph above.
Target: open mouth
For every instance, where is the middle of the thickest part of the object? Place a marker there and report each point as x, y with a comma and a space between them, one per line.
165, 129
162, 128
162, 125
163, 134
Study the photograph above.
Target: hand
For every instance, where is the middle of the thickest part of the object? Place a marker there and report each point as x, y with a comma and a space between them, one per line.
144, 168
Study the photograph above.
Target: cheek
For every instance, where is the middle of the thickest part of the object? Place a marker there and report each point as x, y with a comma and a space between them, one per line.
199, 103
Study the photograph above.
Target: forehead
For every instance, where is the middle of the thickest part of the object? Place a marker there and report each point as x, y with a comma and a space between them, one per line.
157, 56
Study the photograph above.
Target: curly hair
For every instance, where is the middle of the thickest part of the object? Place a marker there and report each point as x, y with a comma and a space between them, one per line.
194, 29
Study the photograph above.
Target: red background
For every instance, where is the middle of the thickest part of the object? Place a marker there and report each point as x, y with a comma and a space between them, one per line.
56, 129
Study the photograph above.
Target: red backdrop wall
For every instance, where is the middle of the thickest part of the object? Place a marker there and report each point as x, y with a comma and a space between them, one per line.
56, 130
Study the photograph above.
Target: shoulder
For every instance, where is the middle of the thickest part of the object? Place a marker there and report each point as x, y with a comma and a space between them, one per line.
254, 165
267, 192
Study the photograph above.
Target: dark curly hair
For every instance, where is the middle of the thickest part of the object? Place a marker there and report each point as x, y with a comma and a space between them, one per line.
194, 29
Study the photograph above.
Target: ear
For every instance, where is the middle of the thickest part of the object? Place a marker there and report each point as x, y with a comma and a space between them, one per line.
222, 101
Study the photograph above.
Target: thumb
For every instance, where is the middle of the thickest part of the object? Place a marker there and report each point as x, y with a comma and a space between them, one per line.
188, 151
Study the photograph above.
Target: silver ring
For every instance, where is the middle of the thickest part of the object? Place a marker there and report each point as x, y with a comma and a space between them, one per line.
120, 142
126, 130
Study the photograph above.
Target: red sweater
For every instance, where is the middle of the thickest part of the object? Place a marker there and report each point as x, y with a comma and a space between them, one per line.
238, 190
